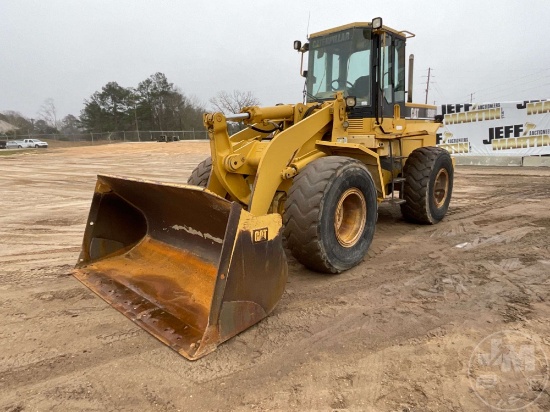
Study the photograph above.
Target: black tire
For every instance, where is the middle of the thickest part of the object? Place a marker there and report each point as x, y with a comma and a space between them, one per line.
330, 214
36, 146
201, 173
19, 147
429, 177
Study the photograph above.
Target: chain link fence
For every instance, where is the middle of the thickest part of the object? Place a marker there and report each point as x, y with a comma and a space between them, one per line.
112, 137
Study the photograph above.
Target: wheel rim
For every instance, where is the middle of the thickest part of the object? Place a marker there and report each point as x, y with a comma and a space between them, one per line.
441, 187
350, 217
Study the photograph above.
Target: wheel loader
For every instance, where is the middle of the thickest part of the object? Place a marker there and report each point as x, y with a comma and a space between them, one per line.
195, 264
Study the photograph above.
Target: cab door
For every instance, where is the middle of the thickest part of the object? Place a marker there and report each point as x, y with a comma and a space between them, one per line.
391, 74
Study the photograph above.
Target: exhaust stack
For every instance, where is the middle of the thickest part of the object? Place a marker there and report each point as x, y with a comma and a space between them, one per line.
411, 79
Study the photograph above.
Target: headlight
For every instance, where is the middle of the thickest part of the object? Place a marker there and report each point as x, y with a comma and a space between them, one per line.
351, 101
377, 23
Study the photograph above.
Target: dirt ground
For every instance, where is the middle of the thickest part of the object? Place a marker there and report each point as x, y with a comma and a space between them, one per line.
407, 330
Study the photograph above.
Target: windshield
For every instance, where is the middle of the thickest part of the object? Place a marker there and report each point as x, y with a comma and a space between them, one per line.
340, 62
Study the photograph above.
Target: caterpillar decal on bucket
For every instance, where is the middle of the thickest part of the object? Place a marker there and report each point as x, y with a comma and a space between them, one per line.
188, 266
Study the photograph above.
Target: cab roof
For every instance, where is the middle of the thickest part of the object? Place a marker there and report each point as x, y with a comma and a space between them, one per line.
403, 33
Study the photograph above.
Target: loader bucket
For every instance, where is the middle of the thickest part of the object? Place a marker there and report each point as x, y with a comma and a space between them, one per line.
186, 265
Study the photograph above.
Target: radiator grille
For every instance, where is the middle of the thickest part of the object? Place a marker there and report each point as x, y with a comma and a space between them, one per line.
355, 125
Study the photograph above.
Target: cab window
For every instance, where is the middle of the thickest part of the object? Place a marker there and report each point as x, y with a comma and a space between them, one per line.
399, 73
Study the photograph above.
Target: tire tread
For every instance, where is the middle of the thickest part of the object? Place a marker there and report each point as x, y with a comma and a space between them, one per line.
417, 171
201, 173
302, 209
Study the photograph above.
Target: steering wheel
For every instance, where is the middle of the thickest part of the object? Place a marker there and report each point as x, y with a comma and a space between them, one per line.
338, 82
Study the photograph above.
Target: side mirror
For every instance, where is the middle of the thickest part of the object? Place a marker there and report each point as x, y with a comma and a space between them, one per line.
297, 45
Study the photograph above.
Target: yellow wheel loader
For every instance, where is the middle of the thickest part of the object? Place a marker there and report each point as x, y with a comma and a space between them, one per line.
196, 264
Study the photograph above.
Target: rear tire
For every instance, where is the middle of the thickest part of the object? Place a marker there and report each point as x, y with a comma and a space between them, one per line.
429, 184
330, 214
201, 173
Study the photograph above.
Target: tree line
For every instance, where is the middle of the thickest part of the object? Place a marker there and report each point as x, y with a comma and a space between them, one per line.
154, 104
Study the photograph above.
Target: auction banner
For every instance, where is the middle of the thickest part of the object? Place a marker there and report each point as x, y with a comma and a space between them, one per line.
498, 129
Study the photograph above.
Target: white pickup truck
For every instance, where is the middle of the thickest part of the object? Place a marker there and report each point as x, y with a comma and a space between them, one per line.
33, 143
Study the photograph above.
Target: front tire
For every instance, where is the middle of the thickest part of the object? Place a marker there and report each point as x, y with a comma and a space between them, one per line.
429, 177
330, 214
201, 173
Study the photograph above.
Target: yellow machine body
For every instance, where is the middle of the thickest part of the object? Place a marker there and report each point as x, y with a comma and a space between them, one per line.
252, 168
194, 266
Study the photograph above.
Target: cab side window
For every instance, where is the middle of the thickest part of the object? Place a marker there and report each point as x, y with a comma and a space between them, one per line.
399, 70
386, 68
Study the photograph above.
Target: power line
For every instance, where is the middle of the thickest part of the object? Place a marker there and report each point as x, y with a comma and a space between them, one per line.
511, 86
509, 82
439, 91
511, 92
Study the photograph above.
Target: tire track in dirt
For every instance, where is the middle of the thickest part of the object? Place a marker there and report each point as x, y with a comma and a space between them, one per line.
66, 363
392, 334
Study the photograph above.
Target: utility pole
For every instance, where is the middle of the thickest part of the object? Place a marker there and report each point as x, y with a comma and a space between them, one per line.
471, 97
428, 84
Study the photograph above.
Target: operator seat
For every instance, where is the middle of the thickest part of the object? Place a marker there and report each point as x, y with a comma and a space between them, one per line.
361, 87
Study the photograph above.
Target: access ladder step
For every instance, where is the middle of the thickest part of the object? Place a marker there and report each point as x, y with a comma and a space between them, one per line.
399, 180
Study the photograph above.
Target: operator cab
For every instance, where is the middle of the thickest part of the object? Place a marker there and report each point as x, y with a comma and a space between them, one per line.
363, 60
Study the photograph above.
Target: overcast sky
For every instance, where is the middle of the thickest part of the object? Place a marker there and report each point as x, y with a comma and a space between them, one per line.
66, 50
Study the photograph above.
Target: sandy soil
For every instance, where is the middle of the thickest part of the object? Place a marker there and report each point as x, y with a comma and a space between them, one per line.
400, 332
